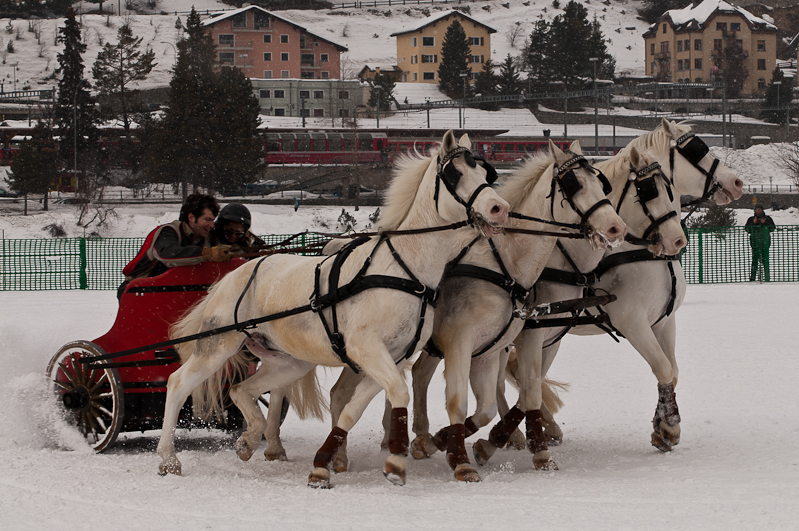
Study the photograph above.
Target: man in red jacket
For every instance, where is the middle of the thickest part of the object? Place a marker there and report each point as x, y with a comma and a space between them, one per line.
180, 243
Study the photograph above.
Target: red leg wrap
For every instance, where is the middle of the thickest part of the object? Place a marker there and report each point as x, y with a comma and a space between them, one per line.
471, 427
325, 454
500, 434
456, 446
440, 439
398, 431
536, 442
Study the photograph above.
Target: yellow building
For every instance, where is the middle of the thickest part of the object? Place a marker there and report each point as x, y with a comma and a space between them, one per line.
686, 45
419, 47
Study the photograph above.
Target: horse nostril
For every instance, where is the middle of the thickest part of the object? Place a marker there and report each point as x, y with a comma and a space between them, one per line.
614, 230
739, 183
679, 243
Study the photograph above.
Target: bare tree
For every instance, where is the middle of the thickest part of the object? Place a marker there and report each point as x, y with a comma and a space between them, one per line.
791, 160
513, 33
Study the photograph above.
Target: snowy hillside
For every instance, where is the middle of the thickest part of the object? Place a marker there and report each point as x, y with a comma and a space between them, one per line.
364, 31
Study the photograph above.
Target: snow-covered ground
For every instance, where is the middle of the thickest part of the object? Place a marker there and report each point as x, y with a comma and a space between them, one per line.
736, 467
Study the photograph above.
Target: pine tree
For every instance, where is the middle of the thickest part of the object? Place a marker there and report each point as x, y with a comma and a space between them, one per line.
119, 65
486, 85
775, 109
386, 92
36, 165
455, 52
606, 66
652, 9
508, 83
75, 103
733, 70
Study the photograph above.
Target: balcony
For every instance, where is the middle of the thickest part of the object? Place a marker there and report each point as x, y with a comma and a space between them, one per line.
663, 56
241, 46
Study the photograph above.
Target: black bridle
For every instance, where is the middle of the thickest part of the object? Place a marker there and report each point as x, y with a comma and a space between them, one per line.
694, 151
647, 190
566, 179
450, 176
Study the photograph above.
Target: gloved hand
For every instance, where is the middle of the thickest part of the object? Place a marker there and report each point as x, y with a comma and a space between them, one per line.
220, 253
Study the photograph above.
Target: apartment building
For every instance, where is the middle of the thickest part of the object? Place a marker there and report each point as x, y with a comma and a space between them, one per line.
686, 45
419, 46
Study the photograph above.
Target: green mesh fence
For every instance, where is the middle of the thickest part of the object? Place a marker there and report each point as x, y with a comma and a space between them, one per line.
713, 255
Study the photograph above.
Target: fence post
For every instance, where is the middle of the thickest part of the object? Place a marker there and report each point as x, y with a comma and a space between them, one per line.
701, 258
82, 277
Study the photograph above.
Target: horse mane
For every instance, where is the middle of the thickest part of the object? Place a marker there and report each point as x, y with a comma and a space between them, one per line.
519, 184
409, 170
656, 140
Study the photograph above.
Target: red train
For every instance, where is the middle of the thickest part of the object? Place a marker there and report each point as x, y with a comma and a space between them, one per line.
322, 147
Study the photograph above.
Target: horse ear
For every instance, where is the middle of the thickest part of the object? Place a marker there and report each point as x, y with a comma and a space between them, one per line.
670, 128
635, 157
448, 142
575, 148
465, 142
554, 150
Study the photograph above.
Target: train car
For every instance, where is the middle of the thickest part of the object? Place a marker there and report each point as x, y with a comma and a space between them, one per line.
324, 147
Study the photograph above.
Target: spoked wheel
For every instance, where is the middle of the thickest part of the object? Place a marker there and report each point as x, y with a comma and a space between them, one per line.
92, 399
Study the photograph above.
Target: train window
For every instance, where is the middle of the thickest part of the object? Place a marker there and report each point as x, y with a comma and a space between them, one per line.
288, 141
365, 142
404, 148
319, 141
303, 142
507, 148
349, 142
272, 142
530, 148
334, 142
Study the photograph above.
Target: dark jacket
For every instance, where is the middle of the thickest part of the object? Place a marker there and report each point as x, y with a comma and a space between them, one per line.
248, 240
170, 245
760, 229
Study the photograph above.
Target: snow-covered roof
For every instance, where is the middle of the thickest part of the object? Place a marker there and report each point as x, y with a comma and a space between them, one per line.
227, 14
695, 17
439, 16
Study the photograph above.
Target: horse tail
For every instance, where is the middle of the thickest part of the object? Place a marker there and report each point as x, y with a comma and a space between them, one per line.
549, 391
189, 324
306, 397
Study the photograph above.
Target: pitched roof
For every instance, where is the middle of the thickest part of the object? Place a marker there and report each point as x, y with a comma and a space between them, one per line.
441, 16
696, 17
227, 14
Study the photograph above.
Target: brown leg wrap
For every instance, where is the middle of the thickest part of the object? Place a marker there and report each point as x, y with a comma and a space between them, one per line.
471, 427
398, 431
440, 439
500, 434
325, 454
536, 442
456, 446
666, 409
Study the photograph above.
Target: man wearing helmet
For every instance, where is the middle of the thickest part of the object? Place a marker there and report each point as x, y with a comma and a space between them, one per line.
232, 227
183, 242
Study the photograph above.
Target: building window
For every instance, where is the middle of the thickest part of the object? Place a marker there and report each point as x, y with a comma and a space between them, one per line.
284, 56
698, 80
428, 41
306, 75
698, 45
284, 39
318, 94
476, 41
226, 57
735, 26
679, 65
761, 46
429, 76
679, 46
429, 59
717, 44
306, 59
261, 20
305, 112
318, 113
325, 75
344, 113
652, 49
475, 58
302, 41
721, 26
664, 47
267, 74
240, 20
413, 42
761, 83
739, 43
697, 64
414, 59
267, 39
267, 56
687, 45
305, 94
280, 112
225, 40
285, 74
324, 58
343, 94
280, 93
475, 75
264, 93
415, 77
761, 64
664, 28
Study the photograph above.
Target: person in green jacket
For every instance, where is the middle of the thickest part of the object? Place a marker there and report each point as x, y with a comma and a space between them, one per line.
760, 226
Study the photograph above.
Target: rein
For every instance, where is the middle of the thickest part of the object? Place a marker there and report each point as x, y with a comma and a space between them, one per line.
694, 152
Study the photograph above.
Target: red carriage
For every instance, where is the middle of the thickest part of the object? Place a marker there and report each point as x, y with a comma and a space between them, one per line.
128, 394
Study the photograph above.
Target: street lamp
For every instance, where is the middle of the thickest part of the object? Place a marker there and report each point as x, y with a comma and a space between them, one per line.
379, 89
460, 108
427, 101
778, 83
596, 105
173, 48
710, 90
14, 67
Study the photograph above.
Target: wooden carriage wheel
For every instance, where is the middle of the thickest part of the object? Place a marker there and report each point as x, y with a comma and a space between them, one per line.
91, 399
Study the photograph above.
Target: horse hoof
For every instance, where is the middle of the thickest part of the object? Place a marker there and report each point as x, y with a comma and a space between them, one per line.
553, 441
319, 479
276, 456
466, 473
340, 465
543, 461
169, 466
659, 443
422, 446
483, 450
243, 450
395, 468
516, 440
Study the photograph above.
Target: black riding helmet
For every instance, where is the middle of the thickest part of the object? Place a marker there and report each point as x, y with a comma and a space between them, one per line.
235, 212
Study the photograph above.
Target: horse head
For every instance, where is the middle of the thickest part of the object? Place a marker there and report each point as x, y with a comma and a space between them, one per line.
582, 197
649, 205
464, 182
695, 171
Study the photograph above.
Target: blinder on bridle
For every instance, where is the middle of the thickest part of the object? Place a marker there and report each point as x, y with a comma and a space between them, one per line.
451, 176
647, 190
565, 177
694, 151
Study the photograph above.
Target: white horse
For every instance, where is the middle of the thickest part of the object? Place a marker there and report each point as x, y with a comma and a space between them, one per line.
372, 328
648, 293
481, 291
